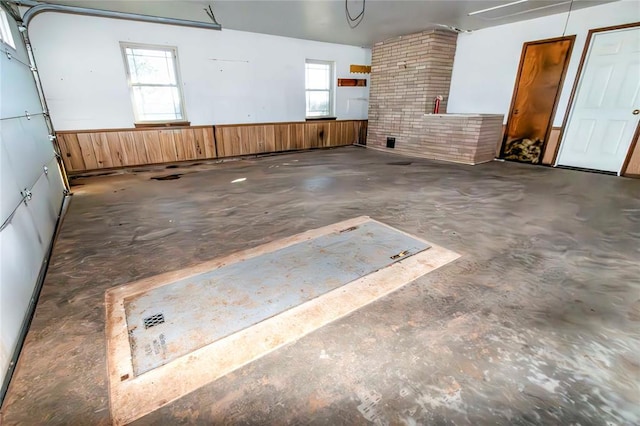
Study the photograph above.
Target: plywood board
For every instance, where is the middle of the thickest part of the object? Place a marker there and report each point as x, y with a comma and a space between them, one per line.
173, 320
101, 150
208, 140
133, 152
134, 396
71, 152
296, 136
151, 143
281, 137
88, 155
115, 149
167, 146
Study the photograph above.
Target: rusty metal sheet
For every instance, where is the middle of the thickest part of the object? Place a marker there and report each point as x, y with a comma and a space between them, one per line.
173, 320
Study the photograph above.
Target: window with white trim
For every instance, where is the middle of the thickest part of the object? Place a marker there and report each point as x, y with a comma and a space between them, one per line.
154, 83
319, 88
5, 30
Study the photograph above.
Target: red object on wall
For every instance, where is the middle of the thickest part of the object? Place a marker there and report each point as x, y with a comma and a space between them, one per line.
436, 107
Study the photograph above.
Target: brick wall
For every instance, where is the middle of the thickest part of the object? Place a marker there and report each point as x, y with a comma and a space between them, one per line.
407, 73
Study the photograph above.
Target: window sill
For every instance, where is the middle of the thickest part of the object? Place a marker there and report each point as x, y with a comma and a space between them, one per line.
163, 124
321, 118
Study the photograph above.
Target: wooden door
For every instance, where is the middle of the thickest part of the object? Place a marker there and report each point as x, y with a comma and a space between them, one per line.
606, 111
543, 65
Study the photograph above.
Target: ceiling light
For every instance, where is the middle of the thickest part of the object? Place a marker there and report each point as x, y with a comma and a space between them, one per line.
496, 7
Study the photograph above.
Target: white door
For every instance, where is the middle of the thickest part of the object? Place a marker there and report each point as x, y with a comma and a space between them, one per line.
604, 115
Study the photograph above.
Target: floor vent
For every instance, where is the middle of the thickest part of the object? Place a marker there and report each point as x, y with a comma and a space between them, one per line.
153, 320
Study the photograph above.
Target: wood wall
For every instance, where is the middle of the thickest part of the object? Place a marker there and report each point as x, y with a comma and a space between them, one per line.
234, 140
101, 149
85, 150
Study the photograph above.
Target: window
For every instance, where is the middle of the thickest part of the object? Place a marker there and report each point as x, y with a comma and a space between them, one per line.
319, 88
154, 83
5, 30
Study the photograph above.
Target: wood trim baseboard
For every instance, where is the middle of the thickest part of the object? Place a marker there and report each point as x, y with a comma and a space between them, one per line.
172, 124
130, 129
274, 123
200, 126
321, 119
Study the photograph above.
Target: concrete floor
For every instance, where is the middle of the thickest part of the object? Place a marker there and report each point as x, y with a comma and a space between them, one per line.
537, 323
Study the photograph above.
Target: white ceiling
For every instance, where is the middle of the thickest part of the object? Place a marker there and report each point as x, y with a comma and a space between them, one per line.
325, 20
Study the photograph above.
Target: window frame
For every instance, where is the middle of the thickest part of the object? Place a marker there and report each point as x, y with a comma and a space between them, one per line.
176, 64
331, 90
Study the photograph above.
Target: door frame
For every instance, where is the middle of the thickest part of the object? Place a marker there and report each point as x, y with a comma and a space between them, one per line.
574, 89
572, 39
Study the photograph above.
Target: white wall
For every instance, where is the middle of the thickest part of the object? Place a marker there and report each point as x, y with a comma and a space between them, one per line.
228, 76
486, 61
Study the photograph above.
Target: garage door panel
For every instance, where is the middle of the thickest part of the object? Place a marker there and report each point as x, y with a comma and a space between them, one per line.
22, 257
42, 212
55, 190
38, 133
8, 186
25, 142
18, 89
25, 153
20, 51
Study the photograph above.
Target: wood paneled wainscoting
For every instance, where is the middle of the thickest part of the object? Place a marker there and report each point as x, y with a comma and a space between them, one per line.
86, 150
246, 139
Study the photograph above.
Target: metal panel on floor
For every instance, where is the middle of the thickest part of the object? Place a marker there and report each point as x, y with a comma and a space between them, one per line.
170, 321
259, 277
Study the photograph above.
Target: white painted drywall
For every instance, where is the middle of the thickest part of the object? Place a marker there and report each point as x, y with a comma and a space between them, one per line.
27, 162
228, 76
486, 61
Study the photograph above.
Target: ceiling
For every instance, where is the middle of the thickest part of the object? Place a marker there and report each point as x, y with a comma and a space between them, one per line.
325, 20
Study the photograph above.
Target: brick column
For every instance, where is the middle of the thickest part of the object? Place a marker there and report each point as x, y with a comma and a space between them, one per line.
407, 73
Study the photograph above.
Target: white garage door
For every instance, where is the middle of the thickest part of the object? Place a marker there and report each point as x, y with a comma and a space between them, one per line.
605, 113
31, 191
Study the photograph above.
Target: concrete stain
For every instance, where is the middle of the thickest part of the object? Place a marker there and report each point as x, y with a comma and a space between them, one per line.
168, 177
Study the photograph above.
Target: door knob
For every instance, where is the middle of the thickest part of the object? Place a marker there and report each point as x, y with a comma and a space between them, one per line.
636, 111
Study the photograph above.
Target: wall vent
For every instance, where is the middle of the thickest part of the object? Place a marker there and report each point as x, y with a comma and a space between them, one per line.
391, 142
